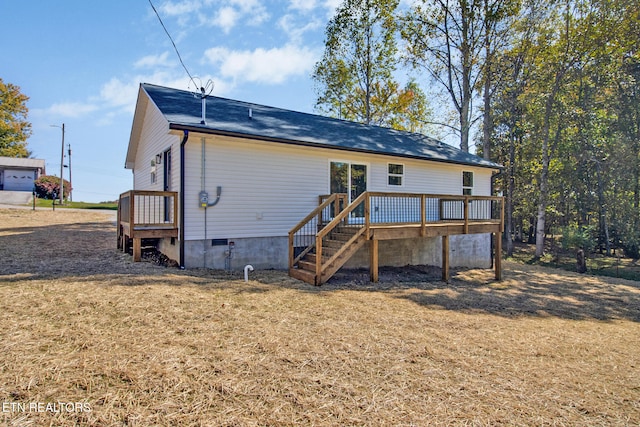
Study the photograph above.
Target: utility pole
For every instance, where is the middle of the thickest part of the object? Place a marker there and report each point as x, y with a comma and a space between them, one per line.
61, 164
70, 182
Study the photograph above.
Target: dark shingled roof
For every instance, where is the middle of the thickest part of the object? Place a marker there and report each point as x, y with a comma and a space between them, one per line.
183, 111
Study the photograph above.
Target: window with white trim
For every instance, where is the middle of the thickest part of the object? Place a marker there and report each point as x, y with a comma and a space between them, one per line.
467, 183
395, 174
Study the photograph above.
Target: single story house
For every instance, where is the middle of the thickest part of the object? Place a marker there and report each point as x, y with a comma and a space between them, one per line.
233, 183
18, 174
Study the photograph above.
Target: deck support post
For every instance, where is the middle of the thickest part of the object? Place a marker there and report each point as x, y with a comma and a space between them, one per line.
137, 249
445, 258
373, 260
498, 256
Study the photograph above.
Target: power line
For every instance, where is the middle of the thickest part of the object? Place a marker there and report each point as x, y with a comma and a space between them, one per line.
172, 42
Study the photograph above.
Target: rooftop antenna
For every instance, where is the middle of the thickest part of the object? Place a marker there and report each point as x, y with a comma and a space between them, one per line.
205, 91
203, 97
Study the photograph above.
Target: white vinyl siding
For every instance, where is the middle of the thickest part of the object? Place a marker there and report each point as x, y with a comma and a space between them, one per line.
267, 187
154, 139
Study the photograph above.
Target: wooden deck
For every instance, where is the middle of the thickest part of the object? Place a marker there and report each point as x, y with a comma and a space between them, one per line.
146, 215
325, 240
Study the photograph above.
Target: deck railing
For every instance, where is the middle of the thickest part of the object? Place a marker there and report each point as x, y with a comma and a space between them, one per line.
373, 210
146, 214
398, 208
148, 209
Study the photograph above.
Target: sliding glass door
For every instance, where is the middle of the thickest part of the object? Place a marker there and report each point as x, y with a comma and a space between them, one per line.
349, 178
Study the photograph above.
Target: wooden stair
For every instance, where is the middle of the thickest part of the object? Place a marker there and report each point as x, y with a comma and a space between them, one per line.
337, 248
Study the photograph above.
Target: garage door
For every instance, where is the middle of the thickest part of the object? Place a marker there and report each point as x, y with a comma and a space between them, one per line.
18, 180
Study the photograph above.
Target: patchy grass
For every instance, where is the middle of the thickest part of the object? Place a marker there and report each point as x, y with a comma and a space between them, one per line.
597, 264
143, 345
43, 203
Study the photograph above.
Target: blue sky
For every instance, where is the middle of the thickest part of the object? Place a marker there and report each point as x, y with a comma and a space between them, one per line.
80, 62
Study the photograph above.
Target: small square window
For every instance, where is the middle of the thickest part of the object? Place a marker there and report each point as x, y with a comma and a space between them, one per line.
395, 180
467, 183
396, 174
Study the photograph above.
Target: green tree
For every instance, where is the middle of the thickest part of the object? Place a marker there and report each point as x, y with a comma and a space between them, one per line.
566, 122
455, 42
355, 77
14, 127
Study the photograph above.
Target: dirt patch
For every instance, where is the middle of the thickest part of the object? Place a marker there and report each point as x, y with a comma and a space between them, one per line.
139, 344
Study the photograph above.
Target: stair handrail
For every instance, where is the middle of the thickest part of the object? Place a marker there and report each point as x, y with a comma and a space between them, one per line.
364, 197
317, 211
342, 215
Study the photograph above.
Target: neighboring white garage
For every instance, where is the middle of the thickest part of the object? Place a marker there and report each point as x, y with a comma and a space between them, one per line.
18, 174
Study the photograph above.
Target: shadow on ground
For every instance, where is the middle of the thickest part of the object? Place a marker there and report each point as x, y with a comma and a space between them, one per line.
87, 251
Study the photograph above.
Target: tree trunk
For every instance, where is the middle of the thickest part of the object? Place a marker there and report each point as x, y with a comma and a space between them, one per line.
510, 190
636, 189
581, 262
465, 51
544, 174
487, 119
604, 224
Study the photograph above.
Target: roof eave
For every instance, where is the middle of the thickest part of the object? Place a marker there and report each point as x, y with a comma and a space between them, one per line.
210, 131
136, 127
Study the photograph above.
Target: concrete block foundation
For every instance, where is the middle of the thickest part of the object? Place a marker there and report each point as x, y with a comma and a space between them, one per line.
470, 250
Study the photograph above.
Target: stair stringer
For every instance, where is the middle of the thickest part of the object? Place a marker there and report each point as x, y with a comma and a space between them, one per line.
342, 256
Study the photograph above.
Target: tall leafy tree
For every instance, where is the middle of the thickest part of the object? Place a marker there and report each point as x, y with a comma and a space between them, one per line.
499, 23
624, 97
566, 122
447, 38
508, 131
14, 127
355, 77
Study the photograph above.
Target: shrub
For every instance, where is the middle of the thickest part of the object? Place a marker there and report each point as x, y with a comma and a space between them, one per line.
631, 245
576, 238
49, 185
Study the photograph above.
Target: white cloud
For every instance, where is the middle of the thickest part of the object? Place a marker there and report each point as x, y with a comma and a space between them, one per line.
116, 93
294, 30
331, 6
226, 18
152, 61
272, 66
67, 110
252, 12
180, 8
302, 5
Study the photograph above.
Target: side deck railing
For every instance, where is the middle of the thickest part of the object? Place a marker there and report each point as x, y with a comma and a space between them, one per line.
146, 214
148, 209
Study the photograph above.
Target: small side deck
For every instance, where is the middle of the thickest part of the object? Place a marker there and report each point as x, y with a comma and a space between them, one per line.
146, 215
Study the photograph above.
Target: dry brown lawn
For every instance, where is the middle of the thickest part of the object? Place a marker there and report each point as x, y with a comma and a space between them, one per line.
135, 344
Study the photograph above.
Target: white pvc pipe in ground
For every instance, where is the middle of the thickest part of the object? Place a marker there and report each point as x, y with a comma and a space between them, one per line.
247, 268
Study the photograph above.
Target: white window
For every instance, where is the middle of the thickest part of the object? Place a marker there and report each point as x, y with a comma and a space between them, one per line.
395, 174
467, 183
153, 171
